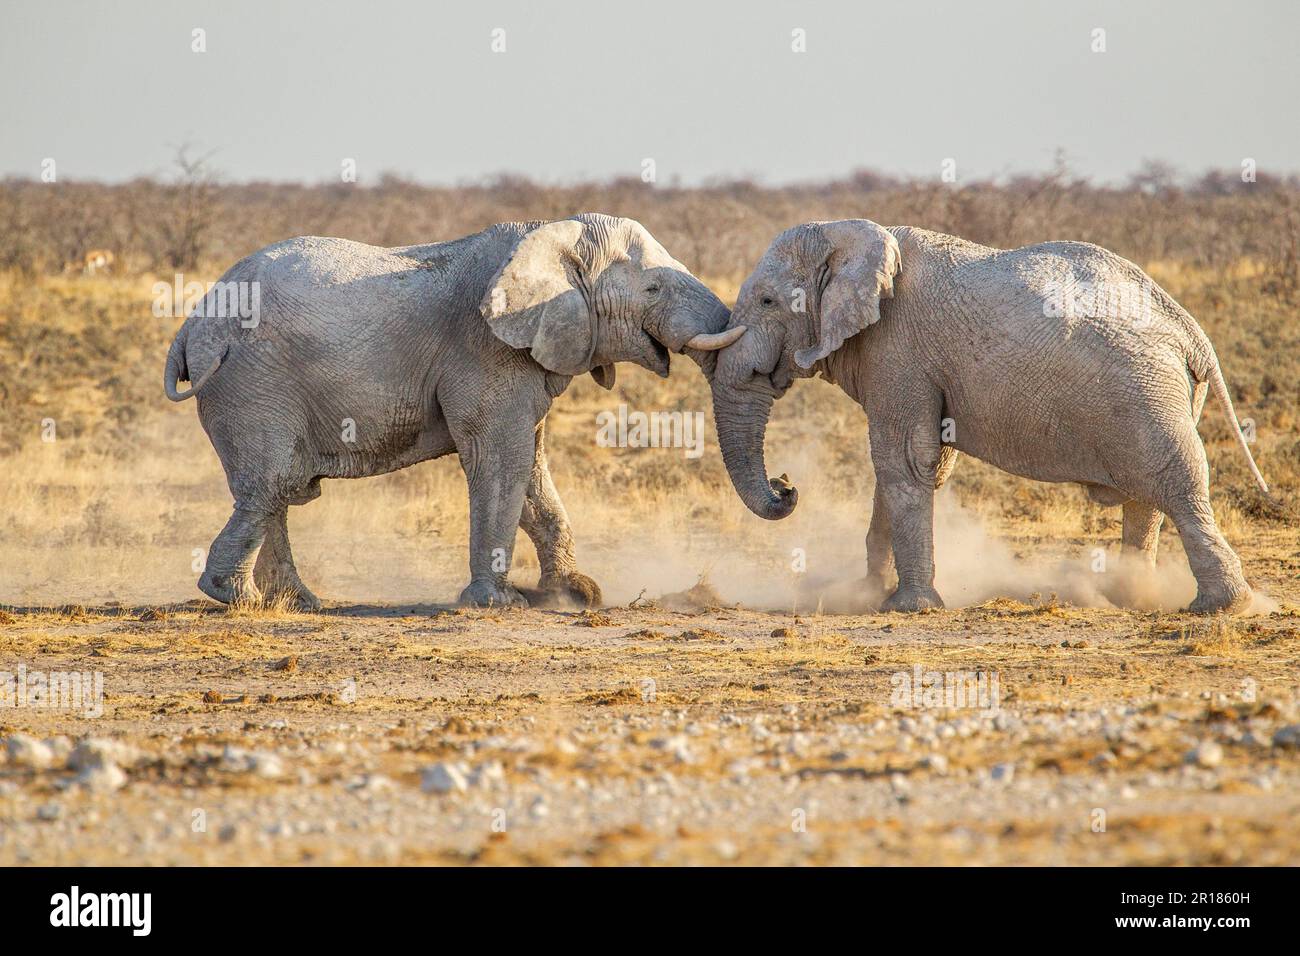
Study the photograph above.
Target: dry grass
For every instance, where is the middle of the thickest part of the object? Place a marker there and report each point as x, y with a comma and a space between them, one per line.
1221, 638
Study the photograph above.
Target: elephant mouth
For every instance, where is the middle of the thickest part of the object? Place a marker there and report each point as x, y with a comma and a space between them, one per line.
662, 357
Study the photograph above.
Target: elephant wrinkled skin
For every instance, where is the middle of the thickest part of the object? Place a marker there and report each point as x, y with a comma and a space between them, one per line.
1057, 362
363, 360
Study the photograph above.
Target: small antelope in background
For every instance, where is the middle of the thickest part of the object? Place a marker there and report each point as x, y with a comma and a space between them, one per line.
97, 260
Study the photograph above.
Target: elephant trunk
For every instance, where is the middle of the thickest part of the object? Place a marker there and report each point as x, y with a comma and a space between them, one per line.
741, 417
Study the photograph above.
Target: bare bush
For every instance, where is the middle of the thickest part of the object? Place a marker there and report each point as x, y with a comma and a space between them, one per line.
718, 230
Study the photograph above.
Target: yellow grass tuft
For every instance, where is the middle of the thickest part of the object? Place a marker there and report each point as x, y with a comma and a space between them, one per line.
1220, 637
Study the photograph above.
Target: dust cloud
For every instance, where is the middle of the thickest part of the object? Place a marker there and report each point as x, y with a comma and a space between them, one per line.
817, 558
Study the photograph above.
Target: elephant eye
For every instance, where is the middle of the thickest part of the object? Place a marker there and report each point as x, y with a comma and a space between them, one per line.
768, 300
652, 289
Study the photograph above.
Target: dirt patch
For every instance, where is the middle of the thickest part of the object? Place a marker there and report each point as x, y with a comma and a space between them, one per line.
760, 738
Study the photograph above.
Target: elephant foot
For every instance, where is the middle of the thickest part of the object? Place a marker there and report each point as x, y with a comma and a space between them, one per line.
567, 590
490, 593
909, 600
295, 597
285, 589
230, 588
1230, 600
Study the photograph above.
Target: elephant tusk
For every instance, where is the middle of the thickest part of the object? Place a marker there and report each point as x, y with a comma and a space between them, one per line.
705, 342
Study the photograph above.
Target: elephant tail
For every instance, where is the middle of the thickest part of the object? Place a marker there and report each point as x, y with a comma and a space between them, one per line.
177, 369
1214, 374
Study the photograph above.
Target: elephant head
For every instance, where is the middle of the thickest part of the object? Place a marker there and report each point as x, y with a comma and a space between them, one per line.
816, 287
583, 293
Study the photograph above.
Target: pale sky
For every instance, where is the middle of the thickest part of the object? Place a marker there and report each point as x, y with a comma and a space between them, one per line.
591, 88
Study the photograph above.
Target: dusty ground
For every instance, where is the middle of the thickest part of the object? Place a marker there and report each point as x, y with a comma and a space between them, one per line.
424, 734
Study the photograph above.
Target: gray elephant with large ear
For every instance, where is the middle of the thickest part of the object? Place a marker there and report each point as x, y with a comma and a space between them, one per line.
359, 360
1058, 362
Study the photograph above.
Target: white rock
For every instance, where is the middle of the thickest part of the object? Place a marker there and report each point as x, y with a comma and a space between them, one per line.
267, 765
443, 778
107, 777
60, 747
677, 745
238, 760
1206, 754
936, 763
98, 751
370, 783
27, 751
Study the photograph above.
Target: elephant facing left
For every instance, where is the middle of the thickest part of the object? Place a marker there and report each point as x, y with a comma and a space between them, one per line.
360, 360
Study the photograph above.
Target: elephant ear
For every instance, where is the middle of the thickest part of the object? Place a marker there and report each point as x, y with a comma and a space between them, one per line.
533, 302
861, 262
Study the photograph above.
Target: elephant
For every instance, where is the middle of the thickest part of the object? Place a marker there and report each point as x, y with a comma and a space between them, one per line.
1059, 362
360, 360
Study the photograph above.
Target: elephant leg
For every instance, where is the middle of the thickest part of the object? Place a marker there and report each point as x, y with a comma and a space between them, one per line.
910, 505
275, 573
1141, 531
1133, 585
228, 573
880, 553
906, 458
1184, 495
497, 463
546, 523
1220, 583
